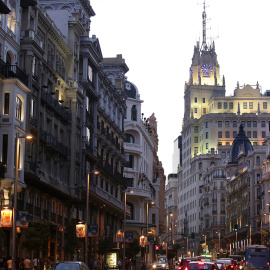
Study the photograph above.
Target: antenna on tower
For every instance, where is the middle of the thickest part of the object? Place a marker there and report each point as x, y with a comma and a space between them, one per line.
204, 45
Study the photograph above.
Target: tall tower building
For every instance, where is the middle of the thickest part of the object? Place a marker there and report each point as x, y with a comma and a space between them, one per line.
211, 122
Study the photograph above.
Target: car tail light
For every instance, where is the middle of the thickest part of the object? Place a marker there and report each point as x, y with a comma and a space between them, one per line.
201, 263
186, 268
231, 266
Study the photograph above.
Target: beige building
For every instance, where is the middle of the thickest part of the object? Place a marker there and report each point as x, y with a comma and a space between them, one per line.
211, 122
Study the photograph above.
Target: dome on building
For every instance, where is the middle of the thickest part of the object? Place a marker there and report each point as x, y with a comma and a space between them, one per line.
131, 90
241, 144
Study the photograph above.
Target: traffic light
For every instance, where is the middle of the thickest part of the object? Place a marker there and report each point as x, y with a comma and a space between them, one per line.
235, 227
157, 247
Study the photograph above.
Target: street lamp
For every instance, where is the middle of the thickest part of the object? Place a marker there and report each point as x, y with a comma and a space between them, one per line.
124, 229
95, 172
16, 176
147, 214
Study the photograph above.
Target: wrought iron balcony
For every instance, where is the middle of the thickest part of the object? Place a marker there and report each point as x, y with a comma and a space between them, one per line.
13, 71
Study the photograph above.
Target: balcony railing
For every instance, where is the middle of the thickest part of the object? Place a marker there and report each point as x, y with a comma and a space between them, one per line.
54, 105
13, 71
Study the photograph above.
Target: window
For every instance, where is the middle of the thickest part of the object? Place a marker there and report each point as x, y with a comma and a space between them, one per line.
254, 123
206, 146
153, 218
223, 154
219, 123
251, 105
220, 134
227, 134
129, 159
244, 105
243, 123
249, 134
231, 105
129, 138
195, 100
6, 103
254, 134
219, 105
195, 139
234, 134
234, 123
248, 123
265, 105
204, 110
134, 113
263, 123
5, 149
196, 129
227, 123
225, 105
258, 160
206, 135
33, 108
90, 74
203, 100
195, 151
263, 134
206, 124
18, 111
195, 110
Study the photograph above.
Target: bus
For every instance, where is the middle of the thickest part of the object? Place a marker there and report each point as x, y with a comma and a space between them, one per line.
257, 257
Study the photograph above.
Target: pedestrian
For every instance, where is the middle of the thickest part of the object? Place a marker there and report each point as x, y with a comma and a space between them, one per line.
27, 263
3, 263
119, 264
21, 264
9, 263
35, 263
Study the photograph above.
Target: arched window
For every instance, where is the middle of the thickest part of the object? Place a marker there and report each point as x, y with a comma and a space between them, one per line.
134, 113
129, 138
18, 112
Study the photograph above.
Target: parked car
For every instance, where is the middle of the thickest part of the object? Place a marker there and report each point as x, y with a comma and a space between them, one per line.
160, 265
70, 265
205, 265
229, 262
184, 263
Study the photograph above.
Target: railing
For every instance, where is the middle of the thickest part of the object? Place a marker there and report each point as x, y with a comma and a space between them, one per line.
13, 71
53, 103
52, 140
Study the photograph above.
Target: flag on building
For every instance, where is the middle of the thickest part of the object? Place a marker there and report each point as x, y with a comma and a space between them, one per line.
140, 177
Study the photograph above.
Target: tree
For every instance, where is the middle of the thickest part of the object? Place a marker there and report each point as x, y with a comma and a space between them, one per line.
133, 249
105, 244
71, 240
35, 237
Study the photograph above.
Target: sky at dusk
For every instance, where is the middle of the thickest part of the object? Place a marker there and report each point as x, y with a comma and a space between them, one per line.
157, 38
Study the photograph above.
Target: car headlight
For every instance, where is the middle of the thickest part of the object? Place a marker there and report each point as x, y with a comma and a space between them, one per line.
241, 266
154, 266
163, 265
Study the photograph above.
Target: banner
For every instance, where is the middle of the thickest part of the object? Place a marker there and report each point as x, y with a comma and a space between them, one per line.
151, 240
22, 219
129, 237
92, 230
119, 237
6, 218
142, 241
80, 230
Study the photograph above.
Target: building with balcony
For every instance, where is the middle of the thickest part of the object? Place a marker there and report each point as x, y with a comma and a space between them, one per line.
143, 171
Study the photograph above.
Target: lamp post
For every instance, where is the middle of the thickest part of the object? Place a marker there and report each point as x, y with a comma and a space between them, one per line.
147, 216
15, 197
86, 215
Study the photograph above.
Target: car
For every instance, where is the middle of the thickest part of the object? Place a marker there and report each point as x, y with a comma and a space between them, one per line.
221, 265
229, 262
184, 263
161, 264
202, 265
176, 265
70, 265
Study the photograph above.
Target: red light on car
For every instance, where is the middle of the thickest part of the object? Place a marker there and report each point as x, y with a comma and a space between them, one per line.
186, 268
201, 263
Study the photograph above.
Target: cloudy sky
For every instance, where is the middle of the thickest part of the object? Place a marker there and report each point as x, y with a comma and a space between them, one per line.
157, 38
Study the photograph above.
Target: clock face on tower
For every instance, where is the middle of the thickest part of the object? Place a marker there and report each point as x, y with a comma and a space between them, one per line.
207, 69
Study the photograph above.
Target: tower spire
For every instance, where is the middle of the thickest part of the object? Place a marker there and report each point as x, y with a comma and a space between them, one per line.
204, 45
